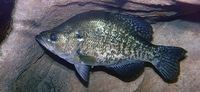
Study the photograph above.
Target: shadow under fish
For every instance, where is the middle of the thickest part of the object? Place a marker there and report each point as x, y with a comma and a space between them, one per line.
120, 43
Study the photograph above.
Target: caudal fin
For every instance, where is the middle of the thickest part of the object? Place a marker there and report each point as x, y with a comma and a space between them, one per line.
168, 61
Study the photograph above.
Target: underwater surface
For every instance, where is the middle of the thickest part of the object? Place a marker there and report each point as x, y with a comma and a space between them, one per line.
26, 66
180, 32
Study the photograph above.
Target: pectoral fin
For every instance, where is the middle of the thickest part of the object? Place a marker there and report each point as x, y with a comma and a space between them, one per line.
87, 59
128, 69
83, 71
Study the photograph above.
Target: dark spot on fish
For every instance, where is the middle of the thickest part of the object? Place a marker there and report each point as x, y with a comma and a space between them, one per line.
113, 52
78, 36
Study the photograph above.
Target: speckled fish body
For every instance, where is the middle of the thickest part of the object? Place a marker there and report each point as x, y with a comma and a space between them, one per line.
118, 42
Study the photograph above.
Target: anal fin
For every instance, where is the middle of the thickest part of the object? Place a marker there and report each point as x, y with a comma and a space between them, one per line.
83, 71
129, 69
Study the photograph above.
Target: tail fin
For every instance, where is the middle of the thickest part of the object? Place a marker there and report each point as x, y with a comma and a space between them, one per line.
168, 61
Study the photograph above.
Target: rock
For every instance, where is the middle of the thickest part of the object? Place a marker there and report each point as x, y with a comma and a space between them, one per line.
5, 18
193, 2
25, 66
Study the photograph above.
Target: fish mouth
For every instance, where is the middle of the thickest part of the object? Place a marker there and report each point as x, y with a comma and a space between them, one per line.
44, 42
39, 39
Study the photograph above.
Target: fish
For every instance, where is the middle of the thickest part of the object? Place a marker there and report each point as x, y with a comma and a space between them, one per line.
118, 42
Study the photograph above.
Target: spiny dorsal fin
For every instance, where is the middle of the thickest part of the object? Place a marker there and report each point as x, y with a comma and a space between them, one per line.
139, 25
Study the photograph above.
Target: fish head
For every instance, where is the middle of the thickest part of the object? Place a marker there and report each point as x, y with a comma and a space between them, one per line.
60, 42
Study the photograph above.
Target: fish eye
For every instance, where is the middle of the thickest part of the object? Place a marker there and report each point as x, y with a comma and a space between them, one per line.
53, 37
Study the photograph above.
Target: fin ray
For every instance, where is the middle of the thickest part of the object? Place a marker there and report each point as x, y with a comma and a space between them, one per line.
83, 71
128, 69
168, 62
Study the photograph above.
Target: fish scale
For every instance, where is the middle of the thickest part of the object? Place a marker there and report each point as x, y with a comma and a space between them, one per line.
118, 42
121, 46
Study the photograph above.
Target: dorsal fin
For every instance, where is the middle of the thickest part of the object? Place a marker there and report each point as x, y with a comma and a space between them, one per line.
139, 25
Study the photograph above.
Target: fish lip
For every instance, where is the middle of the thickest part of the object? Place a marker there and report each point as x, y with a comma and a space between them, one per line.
41, 40
37, 37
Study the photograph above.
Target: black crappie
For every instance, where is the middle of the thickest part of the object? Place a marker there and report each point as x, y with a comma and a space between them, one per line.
119, 42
